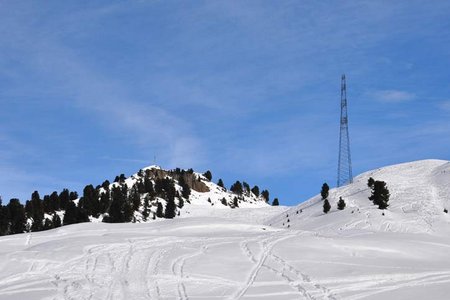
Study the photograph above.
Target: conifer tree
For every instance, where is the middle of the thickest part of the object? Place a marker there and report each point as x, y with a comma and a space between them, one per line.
146, 210
341, 204
64, 199
237, 188
4, 219
255, 190
135, 198
370, 182
17, 219
265, 195
380, 194
220, 183
159, 210
37, 212
246, 187
326, 206
208, 175
275, 202
170, 211
224, 201
71, 214
48, 224
235, 202
56, 220
324, 191
55, 203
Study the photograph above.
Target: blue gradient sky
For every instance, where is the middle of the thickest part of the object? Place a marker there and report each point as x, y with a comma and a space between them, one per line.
247, 89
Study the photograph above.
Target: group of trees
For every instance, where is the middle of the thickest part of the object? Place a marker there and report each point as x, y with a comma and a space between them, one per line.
379, 195
42, 213
324, 192
116, 202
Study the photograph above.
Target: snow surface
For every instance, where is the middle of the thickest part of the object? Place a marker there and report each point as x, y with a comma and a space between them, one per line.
210, 253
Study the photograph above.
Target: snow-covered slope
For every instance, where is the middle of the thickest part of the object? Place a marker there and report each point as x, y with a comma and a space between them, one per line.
210, 253
420, 191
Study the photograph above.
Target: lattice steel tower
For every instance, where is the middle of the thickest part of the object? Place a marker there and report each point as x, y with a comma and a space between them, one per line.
345, 162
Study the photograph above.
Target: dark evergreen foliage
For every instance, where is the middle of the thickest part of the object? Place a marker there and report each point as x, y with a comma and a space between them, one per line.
341, 204
326, 206
265, 195
171, 208
208, 175
255, 190
370, 182
17, 219
56, 220
159, 210
235, 202
246, 187
237, 188
89, 202
224, 201
324, 191
220, 183
380, 194
37, 212
64, 198
275, 202
186, 190
4, 219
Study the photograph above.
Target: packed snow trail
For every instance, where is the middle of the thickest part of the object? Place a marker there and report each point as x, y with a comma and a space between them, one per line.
212, 258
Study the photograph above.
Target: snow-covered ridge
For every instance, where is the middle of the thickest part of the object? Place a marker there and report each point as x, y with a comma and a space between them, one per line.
204, 194
420, 191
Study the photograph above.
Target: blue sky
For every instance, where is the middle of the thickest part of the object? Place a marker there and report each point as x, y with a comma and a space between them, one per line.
247, 89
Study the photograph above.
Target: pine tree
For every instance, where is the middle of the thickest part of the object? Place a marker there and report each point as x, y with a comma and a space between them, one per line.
224, 201
237, 188
370, 182
89, 202
255, 191
246, 187
4, 219
380, 194
159, 210
341, 204
48, 224
37, 212
55, 203
326, 206
265, 195
135, 198
186, 190
17, 219
275, 202
324, 191
208, 175
70, 216
64, 199
171, 208
235, 202
56, 220
146, 210
220, 183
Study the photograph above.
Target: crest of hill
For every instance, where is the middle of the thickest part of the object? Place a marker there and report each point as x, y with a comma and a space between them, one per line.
419, 194
204, 194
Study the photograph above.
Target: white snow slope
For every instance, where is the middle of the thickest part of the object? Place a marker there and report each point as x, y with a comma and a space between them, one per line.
215, 254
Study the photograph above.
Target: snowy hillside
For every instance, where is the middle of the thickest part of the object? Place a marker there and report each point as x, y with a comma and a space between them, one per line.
210, 253
420, 191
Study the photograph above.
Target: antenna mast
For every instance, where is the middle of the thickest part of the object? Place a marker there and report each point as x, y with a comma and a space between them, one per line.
345, 162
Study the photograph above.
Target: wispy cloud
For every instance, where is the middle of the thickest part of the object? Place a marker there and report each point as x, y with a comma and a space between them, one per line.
445, 105
392, 96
